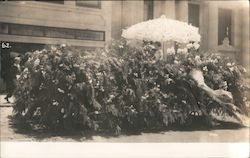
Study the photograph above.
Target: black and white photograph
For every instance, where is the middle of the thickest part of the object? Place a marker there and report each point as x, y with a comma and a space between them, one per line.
157, 78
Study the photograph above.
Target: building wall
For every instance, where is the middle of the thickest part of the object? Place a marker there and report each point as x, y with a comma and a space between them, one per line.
66, 15
117, 15
240, 28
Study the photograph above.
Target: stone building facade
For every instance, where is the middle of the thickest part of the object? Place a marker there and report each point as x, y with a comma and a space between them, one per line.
217, 21
55, 22
223, 25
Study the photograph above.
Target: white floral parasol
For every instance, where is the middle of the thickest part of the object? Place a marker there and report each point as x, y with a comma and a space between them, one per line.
163, 29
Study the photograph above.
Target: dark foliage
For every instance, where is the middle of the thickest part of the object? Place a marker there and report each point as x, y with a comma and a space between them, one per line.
121, 88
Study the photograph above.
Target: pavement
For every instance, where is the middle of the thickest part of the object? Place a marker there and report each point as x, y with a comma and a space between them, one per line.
10, 134
4, 103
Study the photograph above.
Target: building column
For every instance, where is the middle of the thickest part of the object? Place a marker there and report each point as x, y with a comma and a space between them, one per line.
212, 26
157, 9
182, 11
116, 27
204, 23
168, 8
132, 12
245, 38
236, 28
107, 9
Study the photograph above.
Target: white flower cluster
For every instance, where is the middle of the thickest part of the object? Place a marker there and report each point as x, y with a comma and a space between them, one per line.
25, 73
224, 85
170, 51
195, 45
54, 102
37, 62
182, 50
163, 29
205, 68
231, 66
60, 90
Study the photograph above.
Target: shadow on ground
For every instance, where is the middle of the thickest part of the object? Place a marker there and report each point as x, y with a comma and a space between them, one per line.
41, 134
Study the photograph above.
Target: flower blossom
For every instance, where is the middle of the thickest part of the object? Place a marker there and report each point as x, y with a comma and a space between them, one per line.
37, 62
60, 90
55, 103
196, 45
170, 51
205, 68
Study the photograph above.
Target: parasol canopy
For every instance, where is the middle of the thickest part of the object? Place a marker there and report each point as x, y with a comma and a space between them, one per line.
163, 29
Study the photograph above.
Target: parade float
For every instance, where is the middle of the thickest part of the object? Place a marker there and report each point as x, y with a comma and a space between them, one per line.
125, 87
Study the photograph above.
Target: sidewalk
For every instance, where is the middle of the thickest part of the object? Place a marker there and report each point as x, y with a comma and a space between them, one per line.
8, 133
4, 103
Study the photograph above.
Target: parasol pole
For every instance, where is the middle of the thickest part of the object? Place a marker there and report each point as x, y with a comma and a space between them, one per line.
175, 46
162, 45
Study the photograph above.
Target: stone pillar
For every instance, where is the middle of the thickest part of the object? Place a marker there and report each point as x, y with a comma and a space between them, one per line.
116, 19
164, 7
107, 9
204, 25
236, 28
157, 9
182, 11
138, 11
245, 38
168, 8
212, 26
132, 12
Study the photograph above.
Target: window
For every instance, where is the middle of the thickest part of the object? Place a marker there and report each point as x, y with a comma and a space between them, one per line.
148, 9
89, 3
59, 32
4, 28
52, 1
194, 14
51, 32
27, 30
224, 25
88, 35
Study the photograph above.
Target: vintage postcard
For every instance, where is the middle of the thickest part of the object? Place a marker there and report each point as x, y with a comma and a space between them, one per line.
124, 78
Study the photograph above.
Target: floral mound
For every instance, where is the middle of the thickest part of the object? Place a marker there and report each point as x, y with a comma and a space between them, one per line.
122, 88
